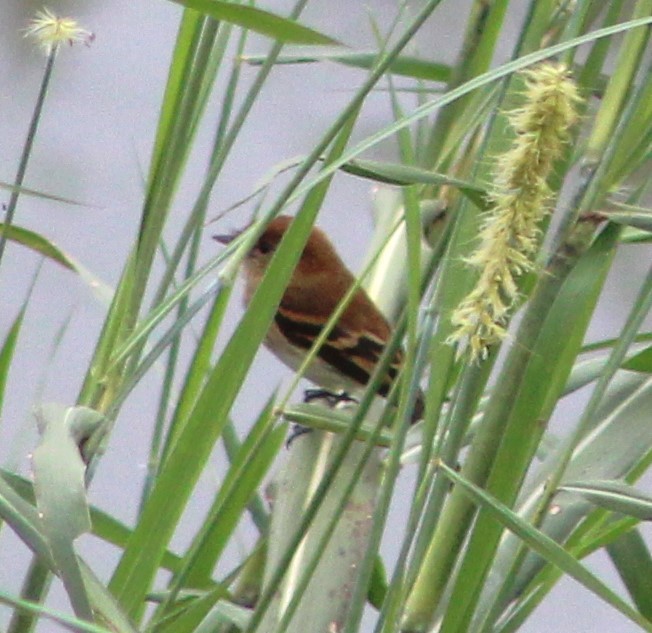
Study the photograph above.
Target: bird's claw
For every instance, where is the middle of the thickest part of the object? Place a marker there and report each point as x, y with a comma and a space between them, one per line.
296, 431
331, 398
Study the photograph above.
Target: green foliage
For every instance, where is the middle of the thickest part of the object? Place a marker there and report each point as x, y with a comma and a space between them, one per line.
502, 507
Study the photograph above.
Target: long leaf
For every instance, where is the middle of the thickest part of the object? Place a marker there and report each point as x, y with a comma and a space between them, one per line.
42, 611
260, 21
7, 353
458, 92
104, 526
616, 496
617, 443
631, 556
25, 191
26, 523
633, 216
249, 466
403, 65
546, 548
135, 572
59, 482
641, 362
404, 175
37, 243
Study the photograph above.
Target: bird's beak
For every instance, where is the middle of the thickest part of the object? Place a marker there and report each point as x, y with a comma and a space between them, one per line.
226, 239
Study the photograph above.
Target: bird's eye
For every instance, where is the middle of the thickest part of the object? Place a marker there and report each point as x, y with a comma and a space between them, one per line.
265, 247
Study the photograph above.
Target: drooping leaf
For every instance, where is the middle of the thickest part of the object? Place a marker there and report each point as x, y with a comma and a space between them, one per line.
616, 496
403, 175
59, 472
7, 352
404, 65
43, 611
37, 243
631, 215
263, 22
104, 526
618, 442
546, 547
25, 191
631, 556
641, 362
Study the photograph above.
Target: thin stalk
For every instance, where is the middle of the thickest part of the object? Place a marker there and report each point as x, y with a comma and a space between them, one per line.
225, 114
573, 27
200, 78
629, 56
642, 306
482, 31
230, 93
27, 147
37, 583
415, 357
219, 159
213, 55
101, 381
256, 507
396, 589
595, 60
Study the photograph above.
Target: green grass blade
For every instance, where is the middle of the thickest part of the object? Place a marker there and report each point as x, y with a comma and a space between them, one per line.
69, 623
616, 496
249, 466
635, 217
25, 191
161, 345
37, 243
403, 65
193, 612
631, 556
263, 22
640, 362
59, 484
104, 526
23, 518
7, 352
546, 548
25, 521
473, 84
611, 450
37, 582
187, 456
405, 175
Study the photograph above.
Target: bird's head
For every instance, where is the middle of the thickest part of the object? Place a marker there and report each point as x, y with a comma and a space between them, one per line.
318, 254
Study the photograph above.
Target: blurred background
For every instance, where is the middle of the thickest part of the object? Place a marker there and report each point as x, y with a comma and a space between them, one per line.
93, 146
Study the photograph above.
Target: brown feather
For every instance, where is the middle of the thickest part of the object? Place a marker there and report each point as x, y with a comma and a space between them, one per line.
317, 286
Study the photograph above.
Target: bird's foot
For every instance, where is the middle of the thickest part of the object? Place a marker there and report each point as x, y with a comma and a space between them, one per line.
296, 430
333, 399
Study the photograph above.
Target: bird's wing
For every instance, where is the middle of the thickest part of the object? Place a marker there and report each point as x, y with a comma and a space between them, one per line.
354, 354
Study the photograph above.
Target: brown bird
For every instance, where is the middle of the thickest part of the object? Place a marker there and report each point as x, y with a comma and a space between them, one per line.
348, 356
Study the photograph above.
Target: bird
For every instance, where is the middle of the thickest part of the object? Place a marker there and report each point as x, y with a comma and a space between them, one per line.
347, 358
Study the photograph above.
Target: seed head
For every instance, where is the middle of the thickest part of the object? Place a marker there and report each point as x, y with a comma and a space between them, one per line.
50, 31
520, 196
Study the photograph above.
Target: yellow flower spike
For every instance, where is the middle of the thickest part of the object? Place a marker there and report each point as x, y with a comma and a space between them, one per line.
50, 31
510, 234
